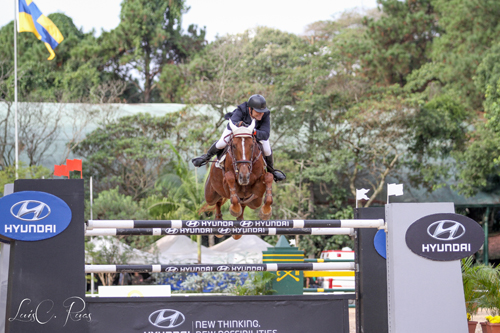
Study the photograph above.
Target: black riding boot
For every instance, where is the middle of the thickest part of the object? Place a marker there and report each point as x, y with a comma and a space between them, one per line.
278, 175
203, 159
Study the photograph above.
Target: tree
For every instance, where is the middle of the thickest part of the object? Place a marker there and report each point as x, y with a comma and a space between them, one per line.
111, 205
470, 29
129, 152
148, 37
400, 40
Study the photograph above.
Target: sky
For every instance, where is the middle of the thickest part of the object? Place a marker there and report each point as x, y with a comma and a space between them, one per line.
220, 17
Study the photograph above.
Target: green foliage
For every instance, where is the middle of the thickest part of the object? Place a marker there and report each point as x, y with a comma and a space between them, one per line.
479, 164
470, 28
439, 128
174, 83
8, 174
472, 291
129, 152
112, 205
148, 37
184, 193
400, 41
488, 284
257, 283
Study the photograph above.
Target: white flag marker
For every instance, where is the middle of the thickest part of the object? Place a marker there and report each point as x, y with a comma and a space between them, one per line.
361, 195
394, 189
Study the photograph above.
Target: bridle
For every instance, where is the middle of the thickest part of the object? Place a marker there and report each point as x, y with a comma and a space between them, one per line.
252, 159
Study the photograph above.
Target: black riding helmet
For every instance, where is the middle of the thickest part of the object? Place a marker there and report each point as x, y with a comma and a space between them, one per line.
258, 103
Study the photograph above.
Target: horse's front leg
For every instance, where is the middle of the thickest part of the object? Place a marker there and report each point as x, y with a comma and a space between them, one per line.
266, 210
235, 208
240, 218
218, 214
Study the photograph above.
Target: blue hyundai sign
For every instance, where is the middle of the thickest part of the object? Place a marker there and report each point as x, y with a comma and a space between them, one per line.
33, 216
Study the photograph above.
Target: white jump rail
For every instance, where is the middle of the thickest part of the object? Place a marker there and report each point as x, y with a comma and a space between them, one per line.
178, 224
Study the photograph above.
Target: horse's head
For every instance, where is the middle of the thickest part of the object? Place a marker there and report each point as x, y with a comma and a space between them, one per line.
242, 148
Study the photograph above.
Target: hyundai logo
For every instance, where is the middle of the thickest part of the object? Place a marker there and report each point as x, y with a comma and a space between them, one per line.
166, 318
223, 268
192, 224
246, 224
30, 210
171, 269
446, 230
224, 230
171, 231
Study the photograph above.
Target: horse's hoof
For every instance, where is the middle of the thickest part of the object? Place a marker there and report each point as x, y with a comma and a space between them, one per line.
233, 212
264, 216
236, 237
219, 236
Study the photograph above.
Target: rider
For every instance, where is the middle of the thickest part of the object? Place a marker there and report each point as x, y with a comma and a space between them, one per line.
256, 109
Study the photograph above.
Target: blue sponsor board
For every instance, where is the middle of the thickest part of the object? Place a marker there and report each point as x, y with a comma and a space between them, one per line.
33, 216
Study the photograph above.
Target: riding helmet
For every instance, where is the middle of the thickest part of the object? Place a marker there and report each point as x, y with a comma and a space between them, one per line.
258, 103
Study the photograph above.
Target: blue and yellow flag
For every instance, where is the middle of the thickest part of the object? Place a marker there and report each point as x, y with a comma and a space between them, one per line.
32, 20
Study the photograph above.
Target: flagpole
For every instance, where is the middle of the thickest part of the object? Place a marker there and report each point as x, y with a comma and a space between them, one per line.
16, 148
387, 194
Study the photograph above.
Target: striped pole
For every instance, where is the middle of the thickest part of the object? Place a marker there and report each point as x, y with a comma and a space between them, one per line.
127, 224
218, 231
324, 290
328, 260
216, 268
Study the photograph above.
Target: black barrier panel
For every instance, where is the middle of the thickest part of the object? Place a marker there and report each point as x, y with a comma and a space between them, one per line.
221, 314
46, 277
371, 279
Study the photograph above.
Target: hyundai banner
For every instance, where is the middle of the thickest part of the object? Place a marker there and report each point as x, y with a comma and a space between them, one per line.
221, 314
445, 237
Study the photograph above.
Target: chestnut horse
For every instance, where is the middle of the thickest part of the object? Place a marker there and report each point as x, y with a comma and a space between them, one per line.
240, 176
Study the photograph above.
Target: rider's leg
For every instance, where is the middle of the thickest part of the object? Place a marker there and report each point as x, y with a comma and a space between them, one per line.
268, 157
213, 150
222, 143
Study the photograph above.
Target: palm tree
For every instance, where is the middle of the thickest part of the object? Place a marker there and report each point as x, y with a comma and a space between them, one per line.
185, 195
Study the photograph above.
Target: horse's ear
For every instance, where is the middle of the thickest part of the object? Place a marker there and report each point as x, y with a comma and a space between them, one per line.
233, 126
252, 126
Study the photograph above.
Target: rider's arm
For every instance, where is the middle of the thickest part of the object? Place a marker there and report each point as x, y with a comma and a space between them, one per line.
264, 129
236, 117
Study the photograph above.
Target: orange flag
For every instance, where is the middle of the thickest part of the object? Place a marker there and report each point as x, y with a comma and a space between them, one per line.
61, 170
71, 165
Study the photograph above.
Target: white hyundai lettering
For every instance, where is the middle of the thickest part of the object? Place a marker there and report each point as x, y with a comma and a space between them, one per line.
171, 269
166, 318
454, 230
33, 213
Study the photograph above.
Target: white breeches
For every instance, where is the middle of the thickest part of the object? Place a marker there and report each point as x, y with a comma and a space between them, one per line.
222, 143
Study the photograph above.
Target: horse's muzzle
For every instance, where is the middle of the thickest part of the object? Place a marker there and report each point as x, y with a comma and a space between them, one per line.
243, 179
